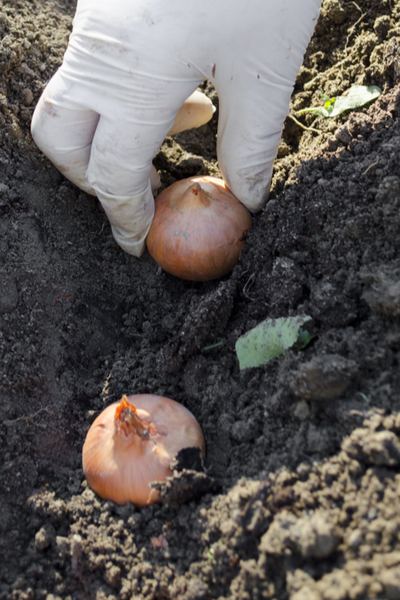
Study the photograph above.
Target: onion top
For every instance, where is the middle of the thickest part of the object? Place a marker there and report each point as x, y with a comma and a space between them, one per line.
133, 442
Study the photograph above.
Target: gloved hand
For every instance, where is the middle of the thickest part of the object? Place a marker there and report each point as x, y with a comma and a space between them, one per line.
128, 69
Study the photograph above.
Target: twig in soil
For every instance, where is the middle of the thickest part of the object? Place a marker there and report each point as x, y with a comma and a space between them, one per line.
370, 167
28, 418
247, 285
303, 126
351, 30
357, 7
105, 390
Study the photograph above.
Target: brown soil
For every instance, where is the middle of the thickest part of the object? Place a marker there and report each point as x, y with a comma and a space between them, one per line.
300, 497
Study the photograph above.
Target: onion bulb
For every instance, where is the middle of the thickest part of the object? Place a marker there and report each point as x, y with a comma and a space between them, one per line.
194, 112
199, 229
133, 442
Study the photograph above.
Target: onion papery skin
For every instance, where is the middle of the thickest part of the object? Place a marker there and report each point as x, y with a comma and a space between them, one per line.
199, 229
119, 467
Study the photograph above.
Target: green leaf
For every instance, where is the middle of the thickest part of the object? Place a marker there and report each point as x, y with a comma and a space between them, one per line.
358, 96
270, 339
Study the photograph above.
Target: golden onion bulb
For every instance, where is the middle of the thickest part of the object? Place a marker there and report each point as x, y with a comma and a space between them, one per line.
133, 442
199, 229
194, 112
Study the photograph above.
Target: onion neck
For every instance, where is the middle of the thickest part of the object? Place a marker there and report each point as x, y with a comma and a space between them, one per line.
194, 196
128, 421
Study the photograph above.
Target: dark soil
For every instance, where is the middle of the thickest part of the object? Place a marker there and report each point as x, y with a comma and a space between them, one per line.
301, 493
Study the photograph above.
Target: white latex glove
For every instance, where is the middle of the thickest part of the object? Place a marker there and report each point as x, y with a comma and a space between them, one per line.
129, 67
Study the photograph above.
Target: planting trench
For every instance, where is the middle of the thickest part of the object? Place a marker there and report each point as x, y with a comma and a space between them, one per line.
301, 489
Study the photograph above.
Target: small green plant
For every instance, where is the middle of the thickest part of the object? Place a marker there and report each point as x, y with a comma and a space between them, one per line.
215, 551
357, 96
212, 346
366, 398
210, 555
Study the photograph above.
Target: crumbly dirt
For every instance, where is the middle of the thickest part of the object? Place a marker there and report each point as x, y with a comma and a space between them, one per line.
300, 497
